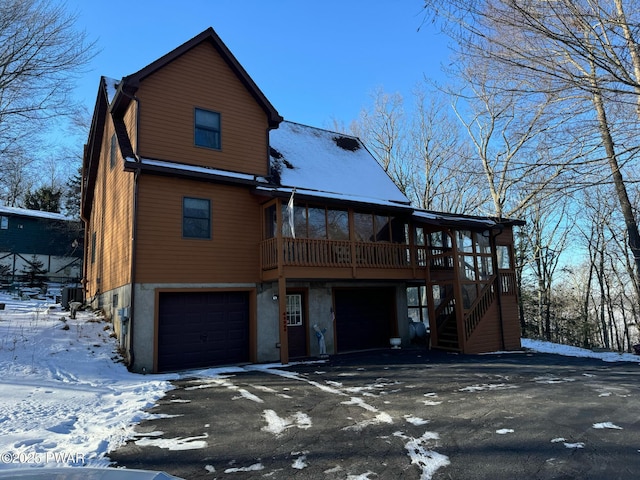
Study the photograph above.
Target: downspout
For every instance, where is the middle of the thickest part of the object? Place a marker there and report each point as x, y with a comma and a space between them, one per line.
134, 236
85, 221
132, 274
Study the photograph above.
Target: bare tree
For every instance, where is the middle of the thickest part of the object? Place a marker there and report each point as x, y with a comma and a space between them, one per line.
440, 158
382, 128
583, 51
40, 52
16, 177
546, 233
422, 150
508, 138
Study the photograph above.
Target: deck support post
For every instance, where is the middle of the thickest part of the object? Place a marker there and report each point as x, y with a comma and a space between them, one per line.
282, 320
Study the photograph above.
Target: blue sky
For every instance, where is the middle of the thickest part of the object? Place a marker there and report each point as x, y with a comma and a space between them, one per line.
316, 61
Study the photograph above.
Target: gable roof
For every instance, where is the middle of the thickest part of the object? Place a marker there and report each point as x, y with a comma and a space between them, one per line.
114, 97
130, 84
325, 164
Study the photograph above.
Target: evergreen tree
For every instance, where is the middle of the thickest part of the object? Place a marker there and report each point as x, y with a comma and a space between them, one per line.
46, 199
35, 273
72, 197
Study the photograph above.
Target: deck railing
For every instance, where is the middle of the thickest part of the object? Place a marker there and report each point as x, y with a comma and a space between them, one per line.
480, 307
309, 252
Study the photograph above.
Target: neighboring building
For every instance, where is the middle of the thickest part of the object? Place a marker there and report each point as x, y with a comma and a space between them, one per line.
218, 233
50, 238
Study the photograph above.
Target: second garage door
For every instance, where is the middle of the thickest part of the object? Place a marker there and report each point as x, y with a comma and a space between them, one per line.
202, 329
363, 317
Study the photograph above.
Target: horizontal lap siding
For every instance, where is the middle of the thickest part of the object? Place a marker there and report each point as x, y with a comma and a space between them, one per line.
200, 78
487, 336
163, 255
511, 315
111, 220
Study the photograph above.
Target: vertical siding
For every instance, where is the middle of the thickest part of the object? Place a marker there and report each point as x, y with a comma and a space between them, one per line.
111, 220
163, 255
200, 78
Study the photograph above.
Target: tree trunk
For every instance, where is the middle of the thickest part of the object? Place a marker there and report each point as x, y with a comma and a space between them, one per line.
618, 180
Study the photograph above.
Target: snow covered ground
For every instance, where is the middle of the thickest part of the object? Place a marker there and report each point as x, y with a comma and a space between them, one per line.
67, 400
65, 397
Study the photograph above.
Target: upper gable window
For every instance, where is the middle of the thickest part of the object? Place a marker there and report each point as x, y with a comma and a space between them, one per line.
207, 129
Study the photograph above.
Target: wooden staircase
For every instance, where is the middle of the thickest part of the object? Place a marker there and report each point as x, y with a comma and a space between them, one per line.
446, 322
448, 335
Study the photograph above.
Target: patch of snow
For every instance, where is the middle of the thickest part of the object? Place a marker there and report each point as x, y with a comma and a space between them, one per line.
415, 420
604, 425
360, 403
251, 468
421, 454
574, 445
569, 351
362, 476
300, 462
187, 443
487, 386
335, 469
277, 424
549, 380
249, 396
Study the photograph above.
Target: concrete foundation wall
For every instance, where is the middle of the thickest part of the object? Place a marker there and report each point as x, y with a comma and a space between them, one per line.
116, 305
319, 298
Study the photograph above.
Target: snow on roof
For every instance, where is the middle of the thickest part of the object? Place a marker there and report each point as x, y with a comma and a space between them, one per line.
112, 87
163, 164
24, 212
451, 218
322, 161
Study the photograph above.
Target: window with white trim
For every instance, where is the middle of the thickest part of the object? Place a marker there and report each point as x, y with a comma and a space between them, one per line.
294, 310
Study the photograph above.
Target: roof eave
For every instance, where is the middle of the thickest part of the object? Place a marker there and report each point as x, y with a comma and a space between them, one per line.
92, 149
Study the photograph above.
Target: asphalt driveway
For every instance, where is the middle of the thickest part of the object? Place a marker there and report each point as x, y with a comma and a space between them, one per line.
400, 414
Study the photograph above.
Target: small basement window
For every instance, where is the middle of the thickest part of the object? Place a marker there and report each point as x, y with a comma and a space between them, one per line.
207, 129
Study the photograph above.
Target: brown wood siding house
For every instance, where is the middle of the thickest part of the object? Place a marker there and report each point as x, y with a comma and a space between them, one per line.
217, 233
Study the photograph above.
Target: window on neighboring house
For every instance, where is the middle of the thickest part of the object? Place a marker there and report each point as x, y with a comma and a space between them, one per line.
113, 151
93, 247
4, 222
207, 129
196, 218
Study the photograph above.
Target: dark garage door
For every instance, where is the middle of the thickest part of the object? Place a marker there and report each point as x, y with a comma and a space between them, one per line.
363, 317
202, 329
